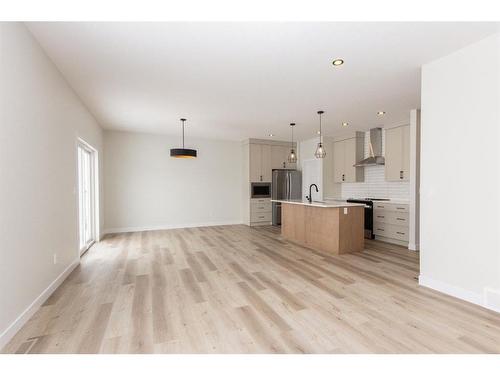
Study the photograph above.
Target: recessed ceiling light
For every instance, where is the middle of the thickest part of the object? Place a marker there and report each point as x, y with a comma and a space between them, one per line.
271, 134
381, 113
318, 132
337, 62
345, 123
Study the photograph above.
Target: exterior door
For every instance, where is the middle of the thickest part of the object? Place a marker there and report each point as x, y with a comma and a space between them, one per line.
86, 197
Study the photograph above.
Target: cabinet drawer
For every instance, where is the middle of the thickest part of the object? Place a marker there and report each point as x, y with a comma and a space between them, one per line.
380, 229
260, 200
391, 207
380, 206
256, 217
397, 232
390, 217
400, 233
260, 207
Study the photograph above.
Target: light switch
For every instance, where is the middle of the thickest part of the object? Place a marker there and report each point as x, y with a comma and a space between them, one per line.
345, 210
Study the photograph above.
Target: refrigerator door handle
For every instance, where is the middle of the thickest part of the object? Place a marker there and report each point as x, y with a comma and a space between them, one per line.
286, 186
290, 186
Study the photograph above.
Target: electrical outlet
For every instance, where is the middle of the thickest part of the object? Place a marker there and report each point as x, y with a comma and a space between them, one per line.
345, 210
55, 258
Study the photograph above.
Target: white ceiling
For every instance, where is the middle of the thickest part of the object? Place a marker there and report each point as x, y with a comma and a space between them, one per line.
241, 80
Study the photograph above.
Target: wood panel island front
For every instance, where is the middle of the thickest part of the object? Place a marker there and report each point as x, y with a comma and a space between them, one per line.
330, 227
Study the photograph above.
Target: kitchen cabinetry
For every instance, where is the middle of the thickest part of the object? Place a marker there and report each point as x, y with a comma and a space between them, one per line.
260, 163
260, 211
259, 158
346, 153
279, 157
391, 222
397, 153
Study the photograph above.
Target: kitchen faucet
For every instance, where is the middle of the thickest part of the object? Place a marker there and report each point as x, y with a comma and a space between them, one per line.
309, 197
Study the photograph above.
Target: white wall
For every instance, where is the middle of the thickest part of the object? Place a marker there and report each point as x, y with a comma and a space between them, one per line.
460, 158
40, 119
146, 188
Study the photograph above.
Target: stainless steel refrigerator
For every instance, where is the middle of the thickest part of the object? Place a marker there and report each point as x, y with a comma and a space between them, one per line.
287, 184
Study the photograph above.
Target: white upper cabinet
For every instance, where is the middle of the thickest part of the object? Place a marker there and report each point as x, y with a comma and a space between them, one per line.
397, 153
346, 153
255, 162
266, 169
279, 157
266, 157
260, 163
338, 161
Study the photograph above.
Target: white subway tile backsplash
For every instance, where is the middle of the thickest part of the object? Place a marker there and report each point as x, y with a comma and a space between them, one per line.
375, 185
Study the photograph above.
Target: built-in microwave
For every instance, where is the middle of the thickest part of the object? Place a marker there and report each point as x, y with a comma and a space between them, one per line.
260, 189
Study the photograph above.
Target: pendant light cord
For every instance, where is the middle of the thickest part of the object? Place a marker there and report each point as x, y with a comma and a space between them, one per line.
183, 120
320, 132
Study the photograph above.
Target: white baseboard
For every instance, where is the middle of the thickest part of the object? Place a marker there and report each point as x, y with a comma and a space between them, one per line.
170, 226
413, 246
489, 299
492, 299
9, 333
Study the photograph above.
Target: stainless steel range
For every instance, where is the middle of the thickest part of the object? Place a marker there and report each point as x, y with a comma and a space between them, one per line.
368, 202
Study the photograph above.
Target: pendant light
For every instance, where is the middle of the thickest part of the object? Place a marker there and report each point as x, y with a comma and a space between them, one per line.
292, 156
320, 150
186, 153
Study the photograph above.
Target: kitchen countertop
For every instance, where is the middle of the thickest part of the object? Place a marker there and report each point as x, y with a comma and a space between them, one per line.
324, 204
391, 200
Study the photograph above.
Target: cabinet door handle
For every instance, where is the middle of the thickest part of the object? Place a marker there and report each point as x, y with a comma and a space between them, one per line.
400, 219
400, 233
343, 177
380, 207
400, 208
381, 217
401, 175
380, 229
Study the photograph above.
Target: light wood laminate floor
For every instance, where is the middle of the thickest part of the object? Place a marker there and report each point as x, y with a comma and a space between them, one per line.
236, 289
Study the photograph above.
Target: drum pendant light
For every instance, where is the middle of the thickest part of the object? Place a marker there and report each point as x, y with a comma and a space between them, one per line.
183, 153
320, 150
292, 156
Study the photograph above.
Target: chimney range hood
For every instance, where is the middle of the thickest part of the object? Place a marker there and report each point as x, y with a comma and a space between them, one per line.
375, 150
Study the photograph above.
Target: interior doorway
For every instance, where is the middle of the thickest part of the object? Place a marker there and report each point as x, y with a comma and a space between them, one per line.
88, 191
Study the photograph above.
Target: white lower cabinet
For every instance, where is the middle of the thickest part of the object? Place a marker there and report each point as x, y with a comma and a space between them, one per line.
260, 211
391, 222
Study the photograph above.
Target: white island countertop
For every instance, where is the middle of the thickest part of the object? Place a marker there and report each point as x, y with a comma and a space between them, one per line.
324, 204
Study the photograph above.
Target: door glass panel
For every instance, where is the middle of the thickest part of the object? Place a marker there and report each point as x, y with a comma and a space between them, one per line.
86, 197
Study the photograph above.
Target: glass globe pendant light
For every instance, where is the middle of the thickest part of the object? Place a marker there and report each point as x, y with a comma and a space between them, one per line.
292, 156
320, 150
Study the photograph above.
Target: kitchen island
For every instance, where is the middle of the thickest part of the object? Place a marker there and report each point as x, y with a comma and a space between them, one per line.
331, 227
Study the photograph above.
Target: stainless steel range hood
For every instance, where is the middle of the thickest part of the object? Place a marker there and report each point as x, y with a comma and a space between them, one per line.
375, 150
